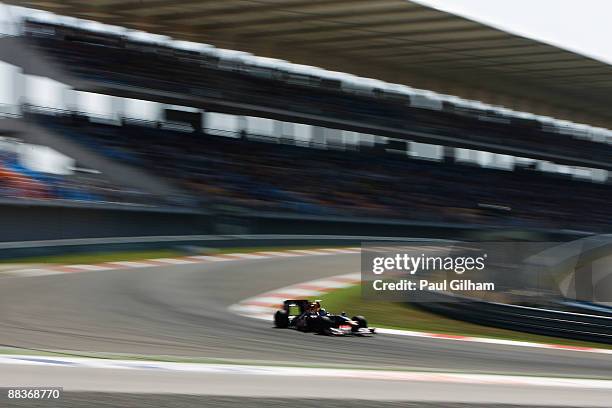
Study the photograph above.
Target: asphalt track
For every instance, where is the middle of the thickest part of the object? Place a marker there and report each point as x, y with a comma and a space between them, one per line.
182, 310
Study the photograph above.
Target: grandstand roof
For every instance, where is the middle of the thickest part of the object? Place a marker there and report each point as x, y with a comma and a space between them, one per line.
393, 40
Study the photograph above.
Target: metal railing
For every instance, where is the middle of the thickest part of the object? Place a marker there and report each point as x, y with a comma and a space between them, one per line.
577, 326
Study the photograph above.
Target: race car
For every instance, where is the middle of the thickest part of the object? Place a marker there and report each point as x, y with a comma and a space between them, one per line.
308, 316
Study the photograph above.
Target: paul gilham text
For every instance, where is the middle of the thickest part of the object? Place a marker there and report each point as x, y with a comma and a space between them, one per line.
424, 284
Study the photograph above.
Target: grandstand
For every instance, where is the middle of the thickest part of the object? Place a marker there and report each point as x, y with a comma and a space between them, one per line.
264, 135
145, 68
244, 167
397, 41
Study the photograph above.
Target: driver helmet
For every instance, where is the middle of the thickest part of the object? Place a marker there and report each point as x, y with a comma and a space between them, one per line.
322, 312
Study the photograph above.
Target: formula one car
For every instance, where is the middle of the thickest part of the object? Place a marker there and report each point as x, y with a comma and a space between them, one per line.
308, 316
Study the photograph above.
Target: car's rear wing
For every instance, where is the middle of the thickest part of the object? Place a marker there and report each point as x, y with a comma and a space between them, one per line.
301, 303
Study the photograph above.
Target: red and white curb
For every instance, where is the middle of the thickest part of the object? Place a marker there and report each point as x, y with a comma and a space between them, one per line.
236, 369
264, 305
156, 262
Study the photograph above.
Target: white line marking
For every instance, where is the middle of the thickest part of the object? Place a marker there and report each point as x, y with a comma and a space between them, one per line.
308, 252
246, 256
26, 273
273, 253
172, 261
88, 267
278, 253
130, 264
231, 369
209, 258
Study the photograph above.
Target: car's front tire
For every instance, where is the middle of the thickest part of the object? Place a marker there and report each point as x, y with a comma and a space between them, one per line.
361, 323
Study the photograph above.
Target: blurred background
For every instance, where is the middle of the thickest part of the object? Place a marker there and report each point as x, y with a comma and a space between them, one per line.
228, 117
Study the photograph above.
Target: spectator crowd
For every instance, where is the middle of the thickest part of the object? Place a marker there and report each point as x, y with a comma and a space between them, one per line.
364, 182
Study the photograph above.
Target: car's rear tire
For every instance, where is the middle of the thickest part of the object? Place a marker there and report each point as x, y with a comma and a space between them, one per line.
361, 322
281, 319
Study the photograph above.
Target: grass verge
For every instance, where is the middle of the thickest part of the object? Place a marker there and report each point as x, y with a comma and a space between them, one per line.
394, 315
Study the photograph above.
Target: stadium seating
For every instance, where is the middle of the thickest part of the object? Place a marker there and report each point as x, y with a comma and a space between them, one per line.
18, 181
284, 177
16, 185
223, 171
